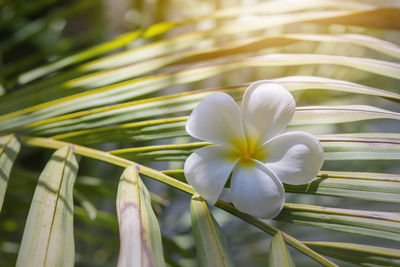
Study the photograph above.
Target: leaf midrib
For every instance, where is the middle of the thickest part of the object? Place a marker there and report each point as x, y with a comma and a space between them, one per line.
56, 204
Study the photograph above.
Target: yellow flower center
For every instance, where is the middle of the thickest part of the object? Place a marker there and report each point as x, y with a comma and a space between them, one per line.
247, 150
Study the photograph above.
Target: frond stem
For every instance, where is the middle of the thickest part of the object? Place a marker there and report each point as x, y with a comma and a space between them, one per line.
157, 175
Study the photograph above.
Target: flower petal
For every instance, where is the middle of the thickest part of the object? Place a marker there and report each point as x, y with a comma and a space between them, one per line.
207, 170
295, 157
216, 118
267, 109
257, 191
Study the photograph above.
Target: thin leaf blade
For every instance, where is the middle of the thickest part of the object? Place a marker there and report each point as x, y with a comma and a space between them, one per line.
140, 235
129, 112
377, 224
364, 186
278, 253
211, 246
48, 238
363, 255
9, 149
334, 150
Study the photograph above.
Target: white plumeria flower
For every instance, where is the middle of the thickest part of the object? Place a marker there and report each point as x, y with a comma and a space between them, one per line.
251, 149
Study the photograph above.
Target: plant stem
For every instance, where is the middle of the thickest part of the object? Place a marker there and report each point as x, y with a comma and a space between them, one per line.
157, 175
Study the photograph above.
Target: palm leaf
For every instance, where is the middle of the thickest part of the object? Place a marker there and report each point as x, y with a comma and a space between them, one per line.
48, 238
139, 231
335, 149
211, 245
363, 255
279, 254
9, 148
98, 101
376, 224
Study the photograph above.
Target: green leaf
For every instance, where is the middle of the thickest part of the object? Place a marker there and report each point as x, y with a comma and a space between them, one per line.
95, 51
340, 114
85, 101
159, 176
140, 235
157, 29
107, 157
361, 175
48, 238
32, 97
132, 132
365, 186
361, 146
335, 148
393, 138
211, 246
278, 253
181, 102
300, 246
145, 110
155, 49
358, 150
382, 18
138, 87
358, 185
121, 72
122, 112
175, 127
9, 149
377, 224
295, 83
177, 152
362, 255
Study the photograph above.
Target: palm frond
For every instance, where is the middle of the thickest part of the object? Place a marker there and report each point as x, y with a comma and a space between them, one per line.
125, 102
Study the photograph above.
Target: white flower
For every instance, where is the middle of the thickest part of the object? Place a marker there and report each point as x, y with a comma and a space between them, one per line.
251, 149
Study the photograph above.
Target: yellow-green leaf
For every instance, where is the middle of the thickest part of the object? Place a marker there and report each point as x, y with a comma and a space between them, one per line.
278, 253
362, 255
211, 246
159, 176
138, 87
9, 149
387, 18
362, 185
95, 51
340, 114
131, 111
340, 147
376, 224
160, 28
48, 238
140, 235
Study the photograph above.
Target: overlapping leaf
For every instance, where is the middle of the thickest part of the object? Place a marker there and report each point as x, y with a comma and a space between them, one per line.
9, 149
278, 252
263, 8
363, 255
138, 87
212, 248
336, 148
87, 105
376, 224
365, 186
48, 238
140, 235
